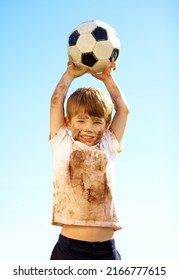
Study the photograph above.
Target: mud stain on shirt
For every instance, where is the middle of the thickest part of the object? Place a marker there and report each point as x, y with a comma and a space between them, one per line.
89, 180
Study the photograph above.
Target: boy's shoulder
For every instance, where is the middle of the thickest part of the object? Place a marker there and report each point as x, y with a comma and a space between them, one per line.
59, 136
110, 142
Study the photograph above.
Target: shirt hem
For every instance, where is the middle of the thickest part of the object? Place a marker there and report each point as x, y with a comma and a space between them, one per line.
91, 224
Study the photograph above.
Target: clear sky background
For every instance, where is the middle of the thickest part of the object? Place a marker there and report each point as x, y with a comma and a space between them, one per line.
33, 56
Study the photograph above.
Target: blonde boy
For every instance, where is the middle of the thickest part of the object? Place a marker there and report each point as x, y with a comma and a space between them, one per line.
84, 165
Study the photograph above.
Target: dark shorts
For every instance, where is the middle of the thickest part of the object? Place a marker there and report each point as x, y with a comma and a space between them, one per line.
71, 249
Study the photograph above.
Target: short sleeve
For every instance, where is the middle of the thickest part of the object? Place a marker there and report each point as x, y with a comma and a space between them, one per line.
59, 137
111, 144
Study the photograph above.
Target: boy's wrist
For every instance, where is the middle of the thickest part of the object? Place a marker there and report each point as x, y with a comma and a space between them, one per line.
68, 77
69, 74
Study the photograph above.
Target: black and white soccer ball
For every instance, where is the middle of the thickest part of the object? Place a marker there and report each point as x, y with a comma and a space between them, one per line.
93, 44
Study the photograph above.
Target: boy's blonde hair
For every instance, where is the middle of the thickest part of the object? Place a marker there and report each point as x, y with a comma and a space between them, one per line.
91, 101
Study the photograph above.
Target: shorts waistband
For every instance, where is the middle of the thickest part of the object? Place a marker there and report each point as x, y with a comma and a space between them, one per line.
70, 241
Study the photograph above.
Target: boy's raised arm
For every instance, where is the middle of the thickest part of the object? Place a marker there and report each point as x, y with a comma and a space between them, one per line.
119, 121
59, 95
57, 103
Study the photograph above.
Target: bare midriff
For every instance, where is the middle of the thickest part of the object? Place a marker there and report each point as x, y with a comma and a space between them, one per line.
88, 233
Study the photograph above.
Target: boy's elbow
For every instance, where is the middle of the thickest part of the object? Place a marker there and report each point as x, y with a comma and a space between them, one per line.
125, 109
55, 100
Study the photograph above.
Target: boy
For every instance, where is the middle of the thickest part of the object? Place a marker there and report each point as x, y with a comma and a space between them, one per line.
83, 166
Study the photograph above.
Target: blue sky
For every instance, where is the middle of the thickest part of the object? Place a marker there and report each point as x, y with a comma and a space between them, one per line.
33, 56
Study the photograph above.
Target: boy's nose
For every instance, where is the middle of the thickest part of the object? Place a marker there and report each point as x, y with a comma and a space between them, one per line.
88, 128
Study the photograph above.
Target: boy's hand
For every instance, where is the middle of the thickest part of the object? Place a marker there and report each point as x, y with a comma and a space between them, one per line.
106, 73
73, 71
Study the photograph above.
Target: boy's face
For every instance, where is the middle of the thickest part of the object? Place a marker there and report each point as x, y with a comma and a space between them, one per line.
87, 129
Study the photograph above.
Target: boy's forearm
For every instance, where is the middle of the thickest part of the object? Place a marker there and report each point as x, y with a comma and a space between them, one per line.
62, 88
117, 95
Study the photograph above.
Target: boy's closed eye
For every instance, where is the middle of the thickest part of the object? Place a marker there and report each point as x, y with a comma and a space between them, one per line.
80, 121
97, 122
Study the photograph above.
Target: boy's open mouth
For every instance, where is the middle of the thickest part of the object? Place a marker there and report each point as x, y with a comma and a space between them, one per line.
86, 138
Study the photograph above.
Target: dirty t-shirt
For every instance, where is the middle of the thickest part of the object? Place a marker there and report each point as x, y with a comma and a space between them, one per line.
84, 181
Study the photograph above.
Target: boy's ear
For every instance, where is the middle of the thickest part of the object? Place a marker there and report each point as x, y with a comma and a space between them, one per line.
67, 122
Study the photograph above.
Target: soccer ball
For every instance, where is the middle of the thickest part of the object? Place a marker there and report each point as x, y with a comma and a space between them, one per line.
93, 44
